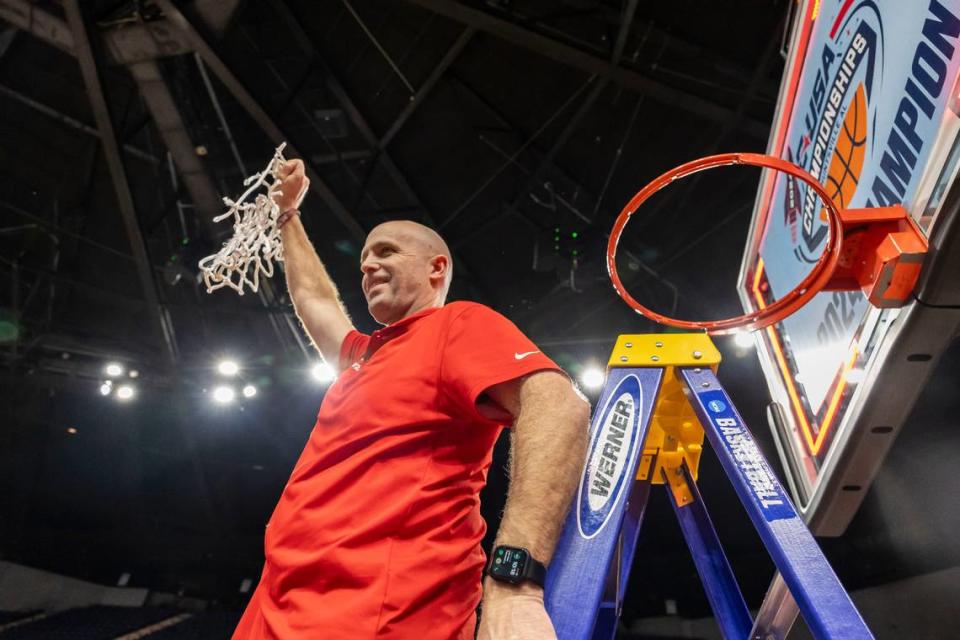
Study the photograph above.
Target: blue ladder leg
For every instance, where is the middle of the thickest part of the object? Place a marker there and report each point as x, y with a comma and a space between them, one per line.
611, 605
717, 577
577, 576
825, 605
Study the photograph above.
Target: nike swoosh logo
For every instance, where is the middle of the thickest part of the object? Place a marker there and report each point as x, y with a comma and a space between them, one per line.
521, 356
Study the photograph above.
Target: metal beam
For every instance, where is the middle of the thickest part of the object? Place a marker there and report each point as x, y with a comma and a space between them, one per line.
584, 108
259, 115
7, 36
130, 46
63, 118
303, 40
728, 127
305, 43
173, 130
127, 44
341, 156
23, 15
452, 54
588, 62
216, 14
101, 111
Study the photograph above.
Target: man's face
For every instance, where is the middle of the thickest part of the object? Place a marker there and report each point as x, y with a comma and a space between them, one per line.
396, 273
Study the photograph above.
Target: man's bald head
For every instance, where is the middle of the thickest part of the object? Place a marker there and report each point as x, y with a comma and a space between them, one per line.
407, 267
428, 239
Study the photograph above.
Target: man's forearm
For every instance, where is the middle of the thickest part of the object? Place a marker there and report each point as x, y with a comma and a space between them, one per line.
548, 444
306, 275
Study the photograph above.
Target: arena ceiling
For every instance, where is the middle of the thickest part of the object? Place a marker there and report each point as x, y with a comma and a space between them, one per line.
516, 128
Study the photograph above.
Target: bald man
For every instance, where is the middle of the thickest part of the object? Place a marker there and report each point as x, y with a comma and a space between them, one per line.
377, 533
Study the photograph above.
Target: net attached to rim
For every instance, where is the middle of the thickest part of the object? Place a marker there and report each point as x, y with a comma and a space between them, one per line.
256, 243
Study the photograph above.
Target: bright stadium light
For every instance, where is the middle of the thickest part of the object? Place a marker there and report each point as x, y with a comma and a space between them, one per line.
113, 369
743, 339
323, 372
125, 392
592, 378
224, 395
106, 388
228, 368
249, 391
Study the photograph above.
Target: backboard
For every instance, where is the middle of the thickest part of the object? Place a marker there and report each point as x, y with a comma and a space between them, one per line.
868, 105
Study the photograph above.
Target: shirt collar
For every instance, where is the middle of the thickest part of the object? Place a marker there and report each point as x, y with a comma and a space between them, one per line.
391, 329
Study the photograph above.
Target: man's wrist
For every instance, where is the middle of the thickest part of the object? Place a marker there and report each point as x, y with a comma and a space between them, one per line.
286, 216
513, 567
495, 590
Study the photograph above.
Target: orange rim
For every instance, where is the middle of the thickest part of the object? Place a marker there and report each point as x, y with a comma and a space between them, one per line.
776, 311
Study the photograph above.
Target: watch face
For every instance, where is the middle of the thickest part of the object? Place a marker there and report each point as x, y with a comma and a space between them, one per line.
508, 563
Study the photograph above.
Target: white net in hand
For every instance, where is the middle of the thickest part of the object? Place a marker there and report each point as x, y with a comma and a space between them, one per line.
256, 239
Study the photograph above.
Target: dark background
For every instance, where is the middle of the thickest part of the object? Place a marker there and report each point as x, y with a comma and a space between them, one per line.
507, 125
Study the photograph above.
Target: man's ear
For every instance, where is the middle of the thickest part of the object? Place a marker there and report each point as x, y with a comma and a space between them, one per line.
439, 265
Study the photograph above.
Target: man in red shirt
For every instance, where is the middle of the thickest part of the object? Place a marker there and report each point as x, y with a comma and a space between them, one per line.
377, 533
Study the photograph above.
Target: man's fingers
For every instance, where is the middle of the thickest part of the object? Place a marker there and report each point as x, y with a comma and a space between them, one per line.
295, 165
289, 167
303, 191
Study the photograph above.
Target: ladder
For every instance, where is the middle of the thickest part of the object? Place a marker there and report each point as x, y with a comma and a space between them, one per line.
660, 399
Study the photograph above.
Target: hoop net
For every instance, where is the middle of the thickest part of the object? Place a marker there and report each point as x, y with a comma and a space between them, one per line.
256, 243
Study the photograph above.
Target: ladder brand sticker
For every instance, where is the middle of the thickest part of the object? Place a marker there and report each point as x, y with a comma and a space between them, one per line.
613, 445
738, 441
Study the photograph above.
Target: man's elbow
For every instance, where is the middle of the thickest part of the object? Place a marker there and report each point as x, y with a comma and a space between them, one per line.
577, 410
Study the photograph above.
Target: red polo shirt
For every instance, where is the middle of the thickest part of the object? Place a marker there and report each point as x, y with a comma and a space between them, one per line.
377, 533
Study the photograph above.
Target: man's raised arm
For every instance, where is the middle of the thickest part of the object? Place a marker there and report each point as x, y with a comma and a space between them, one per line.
315, 296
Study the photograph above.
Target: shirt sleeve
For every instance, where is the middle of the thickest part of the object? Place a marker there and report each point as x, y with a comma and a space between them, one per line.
352, 348
484, 349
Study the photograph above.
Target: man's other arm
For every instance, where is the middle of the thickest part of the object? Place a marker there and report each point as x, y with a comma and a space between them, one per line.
315, 296
548, 445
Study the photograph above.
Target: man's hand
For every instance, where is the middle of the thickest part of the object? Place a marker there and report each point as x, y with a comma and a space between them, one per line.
293, 185
514, 612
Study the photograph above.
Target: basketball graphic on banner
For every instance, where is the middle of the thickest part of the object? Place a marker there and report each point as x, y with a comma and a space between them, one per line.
847, 161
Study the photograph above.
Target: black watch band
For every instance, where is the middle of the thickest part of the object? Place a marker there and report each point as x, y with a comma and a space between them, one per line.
515, 565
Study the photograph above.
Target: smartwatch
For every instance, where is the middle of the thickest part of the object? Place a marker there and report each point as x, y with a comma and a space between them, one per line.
515, 565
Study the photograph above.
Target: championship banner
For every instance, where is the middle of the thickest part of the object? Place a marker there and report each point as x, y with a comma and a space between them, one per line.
867, 91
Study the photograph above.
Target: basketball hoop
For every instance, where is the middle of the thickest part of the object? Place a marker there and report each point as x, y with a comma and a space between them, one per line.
256, 239
816, 280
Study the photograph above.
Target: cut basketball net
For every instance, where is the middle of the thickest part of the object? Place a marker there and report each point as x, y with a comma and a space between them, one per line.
256, 238
883, 260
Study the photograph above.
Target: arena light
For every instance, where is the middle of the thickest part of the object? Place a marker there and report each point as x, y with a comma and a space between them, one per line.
106, 388
113, 369
744, 339
224, 394
228, 368
125, 392
323, 372
249, 391
592, 377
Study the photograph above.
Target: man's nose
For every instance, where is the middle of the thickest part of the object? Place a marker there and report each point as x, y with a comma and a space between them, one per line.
369, 266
